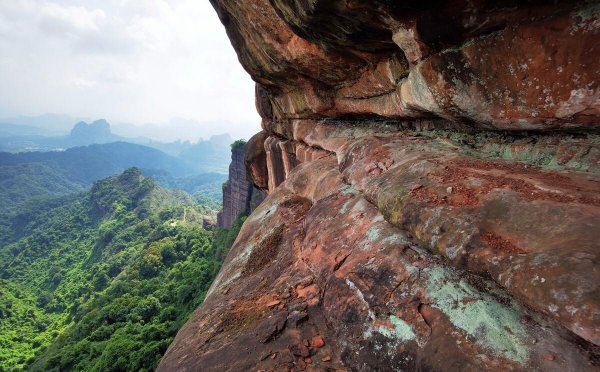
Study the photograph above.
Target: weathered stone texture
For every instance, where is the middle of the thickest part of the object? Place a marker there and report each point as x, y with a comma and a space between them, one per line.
318, 257
433, 171
239, 194
525, 65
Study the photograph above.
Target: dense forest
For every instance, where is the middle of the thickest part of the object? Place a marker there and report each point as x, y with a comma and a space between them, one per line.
27, 175
102, 280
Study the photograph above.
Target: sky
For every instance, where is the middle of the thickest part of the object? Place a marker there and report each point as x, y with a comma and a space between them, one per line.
128, 61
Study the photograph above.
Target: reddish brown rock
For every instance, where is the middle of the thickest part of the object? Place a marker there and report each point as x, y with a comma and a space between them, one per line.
263, 104
239, 194
539, 75
520, 241
525, 66
273, 303
398, 227
394, 304
530, 230
255, 160
317, 342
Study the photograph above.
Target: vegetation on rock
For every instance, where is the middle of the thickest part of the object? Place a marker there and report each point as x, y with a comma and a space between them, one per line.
237, 145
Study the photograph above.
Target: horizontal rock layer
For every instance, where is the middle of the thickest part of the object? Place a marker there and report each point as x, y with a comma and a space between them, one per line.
433, 173
512, 66
419, 248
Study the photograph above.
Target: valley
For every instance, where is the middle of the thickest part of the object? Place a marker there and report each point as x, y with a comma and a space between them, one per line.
105, 251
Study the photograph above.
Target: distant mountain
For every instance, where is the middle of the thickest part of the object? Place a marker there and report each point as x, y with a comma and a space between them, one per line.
221, 140
29, 175
202, 157
54, 124
183, 129
90, 163
95, 132
213, 155
206, 187
80, 135
14, 130
171, 148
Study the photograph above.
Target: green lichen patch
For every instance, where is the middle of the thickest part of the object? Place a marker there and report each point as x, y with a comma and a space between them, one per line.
410, 268
537, 150
396, 239
354, 129
229, 280
345, 207
349, 190
400, 332
373, 234
493, 325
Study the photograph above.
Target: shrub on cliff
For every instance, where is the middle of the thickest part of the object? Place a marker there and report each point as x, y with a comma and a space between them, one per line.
239, 144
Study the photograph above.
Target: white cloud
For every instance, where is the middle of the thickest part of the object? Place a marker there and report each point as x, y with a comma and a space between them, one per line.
63, 20
125, 60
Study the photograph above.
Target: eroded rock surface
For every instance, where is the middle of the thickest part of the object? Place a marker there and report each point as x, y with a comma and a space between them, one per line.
433, 173
510, 65
239, 194
429, 290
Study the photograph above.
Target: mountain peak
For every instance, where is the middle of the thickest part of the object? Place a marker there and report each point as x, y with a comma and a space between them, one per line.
101, 123
97, 131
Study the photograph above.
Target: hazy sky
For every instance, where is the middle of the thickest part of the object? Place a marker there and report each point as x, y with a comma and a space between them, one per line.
133, 61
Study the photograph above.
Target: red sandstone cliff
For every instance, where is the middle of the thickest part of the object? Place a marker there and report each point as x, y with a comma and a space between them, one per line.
239, 194
433, 171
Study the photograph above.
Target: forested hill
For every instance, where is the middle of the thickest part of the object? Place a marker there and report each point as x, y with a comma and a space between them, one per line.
90, 163
102, 280
28, 175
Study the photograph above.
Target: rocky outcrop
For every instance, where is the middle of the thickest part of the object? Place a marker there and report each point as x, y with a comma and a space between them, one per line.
239, 194
433, 173
506, 66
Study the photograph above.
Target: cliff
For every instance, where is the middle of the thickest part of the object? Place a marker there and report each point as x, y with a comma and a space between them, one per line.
433, 172
239, 194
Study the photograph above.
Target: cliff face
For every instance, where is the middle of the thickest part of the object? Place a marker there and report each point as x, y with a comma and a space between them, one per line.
433, 172
239, 194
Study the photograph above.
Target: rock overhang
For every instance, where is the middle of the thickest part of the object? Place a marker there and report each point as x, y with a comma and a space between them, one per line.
433, 172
